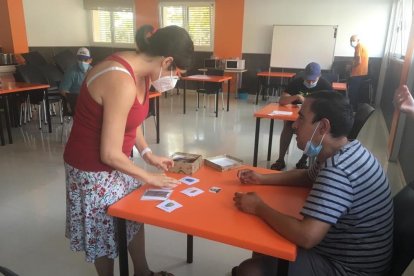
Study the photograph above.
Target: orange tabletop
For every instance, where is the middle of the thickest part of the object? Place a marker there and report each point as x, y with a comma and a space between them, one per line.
268, 74
276, 74
339, 86
213, 215
208, 78
273, 111
15, 87
8, 88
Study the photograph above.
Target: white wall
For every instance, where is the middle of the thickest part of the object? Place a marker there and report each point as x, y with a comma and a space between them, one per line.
56, 23
368, 18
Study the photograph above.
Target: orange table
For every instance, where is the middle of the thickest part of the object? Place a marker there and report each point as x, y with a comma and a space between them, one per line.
208, 78
339, 86
8, 88
214, 216
271, 75
265, 113
156, 95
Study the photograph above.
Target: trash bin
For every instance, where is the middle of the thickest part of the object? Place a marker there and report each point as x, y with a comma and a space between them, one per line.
242, 94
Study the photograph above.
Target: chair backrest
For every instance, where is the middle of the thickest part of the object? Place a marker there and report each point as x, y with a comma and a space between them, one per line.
30, 73
72, 99
403, 230
64, 60
34, 58
330, 77
339, 67
212, 87
52, 74
362, 114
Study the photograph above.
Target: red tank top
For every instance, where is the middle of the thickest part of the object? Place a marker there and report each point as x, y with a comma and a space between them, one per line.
82, 150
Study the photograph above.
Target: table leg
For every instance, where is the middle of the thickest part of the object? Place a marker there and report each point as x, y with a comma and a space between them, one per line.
49, 120
7, 115
256, 142
189, 249
269, 148
157, 113
216, 103
258, 90
185, 88
228, 95
3, 142
282, 267
122, 244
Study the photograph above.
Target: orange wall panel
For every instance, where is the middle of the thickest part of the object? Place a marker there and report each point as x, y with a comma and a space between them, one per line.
228, 38
13, 38
146, 12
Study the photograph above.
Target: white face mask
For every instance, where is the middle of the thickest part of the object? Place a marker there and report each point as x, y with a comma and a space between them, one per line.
165, 83
310, 85
354, 43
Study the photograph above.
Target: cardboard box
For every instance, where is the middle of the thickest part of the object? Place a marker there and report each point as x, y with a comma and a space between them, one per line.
223, 162
186, 163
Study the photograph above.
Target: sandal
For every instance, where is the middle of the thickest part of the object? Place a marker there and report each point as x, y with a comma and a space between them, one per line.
302, 163
278, 165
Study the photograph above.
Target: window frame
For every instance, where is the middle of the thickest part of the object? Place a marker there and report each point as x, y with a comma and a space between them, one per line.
402, 36
186, 5
111, 44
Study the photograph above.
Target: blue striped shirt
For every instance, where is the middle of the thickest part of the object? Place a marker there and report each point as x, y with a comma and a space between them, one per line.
352, 194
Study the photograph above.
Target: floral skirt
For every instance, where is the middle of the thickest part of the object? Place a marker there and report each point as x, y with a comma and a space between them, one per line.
88, 196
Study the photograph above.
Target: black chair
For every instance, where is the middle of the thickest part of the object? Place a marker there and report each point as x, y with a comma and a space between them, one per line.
330, 77
52, 75
340, 67
211, 88
268, 86
34, 58
64, 60
403, 230
366, 91
361, 117
70, 100
32, 74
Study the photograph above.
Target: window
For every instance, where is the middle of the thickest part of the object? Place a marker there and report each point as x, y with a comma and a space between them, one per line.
113, 27
196, 18
402, 27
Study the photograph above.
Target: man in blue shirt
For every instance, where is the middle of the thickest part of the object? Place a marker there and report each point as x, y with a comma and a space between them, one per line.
347, 225
74, 76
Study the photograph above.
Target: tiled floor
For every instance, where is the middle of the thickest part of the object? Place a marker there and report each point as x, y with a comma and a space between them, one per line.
32, 198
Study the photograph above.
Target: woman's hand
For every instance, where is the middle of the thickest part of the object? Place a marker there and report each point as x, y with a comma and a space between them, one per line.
249, 177
160, 162
248, 203
162, 181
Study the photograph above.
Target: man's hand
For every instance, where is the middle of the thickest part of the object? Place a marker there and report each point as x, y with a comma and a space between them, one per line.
249, 177
248, 203
404, 101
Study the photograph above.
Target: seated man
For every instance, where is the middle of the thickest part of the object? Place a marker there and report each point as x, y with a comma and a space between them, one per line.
295, 91
74, 76
347, 225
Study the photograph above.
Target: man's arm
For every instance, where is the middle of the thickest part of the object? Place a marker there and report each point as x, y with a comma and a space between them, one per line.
305, 233
288, 178
286, 98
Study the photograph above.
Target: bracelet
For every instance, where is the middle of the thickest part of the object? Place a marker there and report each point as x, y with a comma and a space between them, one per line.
145, 151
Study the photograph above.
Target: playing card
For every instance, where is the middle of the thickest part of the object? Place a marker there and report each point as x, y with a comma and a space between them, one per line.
156, 194
193, 191
169, 205
214, 189
189, 180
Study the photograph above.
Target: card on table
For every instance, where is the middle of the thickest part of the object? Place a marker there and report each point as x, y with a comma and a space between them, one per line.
192, 191
189, 180
214, 189
156, 194
169, 205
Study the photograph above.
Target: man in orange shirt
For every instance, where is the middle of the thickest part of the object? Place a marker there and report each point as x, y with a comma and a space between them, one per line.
359, 70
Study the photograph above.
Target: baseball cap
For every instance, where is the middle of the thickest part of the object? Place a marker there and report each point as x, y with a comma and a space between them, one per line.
83, 53
312, 71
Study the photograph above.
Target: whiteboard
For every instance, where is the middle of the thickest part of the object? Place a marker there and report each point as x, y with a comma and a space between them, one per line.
294, 46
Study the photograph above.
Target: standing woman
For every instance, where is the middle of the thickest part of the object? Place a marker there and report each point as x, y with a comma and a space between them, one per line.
112, 104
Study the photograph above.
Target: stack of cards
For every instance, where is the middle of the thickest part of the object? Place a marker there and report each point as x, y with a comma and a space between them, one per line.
169, 205
156, 194
193, 191
188, 180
